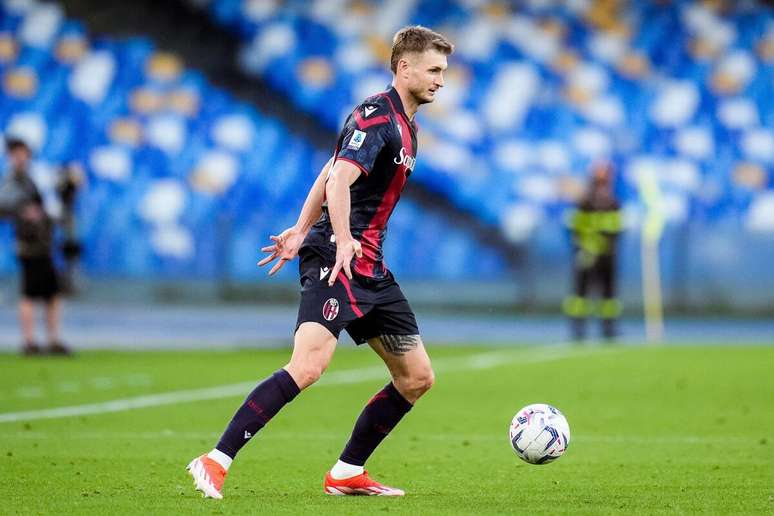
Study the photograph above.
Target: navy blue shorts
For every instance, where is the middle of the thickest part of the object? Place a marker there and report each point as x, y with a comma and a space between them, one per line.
365, 307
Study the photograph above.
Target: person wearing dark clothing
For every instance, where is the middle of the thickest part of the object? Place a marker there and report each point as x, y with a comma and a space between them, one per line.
595, 225
21, 202
345, 284
71, 179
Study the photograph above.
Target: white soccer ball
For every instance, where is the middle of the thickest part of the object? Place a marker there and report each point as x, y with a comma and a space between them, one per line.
539, 433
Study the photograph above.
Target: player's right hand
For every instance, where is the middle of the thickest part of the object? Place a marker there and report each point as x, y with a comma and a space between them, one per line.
285, 247
344, 254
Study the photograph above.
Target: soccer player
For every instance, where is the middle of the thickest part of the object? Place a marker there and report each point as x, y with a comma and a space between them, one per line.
344, 282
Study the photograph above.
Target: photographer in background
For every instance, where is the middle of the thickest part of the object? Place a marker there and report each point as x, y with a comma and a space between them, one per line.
21, 202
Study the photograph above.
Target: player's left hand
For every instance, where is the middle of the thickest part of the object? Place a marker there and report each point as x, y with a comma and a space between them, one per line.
344, 254
285, 247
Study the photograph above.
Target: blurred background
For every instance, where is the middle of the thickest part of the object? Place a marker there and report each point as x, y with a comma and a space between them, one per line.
200, 125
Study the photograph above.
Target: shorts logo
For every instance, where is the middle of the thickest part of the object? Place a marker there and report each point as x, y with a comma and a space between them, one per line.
331, 309
358, 137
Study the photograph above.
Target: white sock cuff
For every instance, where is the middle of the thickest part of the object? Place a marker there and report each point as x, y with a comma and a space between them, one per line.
221, 458
342, 470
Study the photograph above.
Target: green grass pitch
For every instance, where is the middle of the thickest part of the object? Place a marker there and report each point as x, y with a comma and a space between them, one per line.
654, 430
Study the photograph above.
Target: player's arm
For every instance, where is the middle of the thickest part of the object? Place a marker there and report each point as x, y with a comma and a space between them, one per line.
337, 187
287, 243
312, 208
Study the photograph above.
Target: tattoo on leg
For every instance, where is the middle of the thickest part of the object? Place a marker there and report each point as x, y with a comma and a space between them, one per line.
399, 344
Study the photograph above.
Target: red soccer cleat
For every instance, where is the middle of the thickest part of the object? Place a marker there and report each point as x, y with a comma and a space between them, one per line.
208, 476
360, 485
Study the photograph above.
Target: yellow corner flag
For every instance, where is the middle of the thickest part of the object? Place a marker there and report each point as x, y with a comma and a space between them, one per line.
652, 229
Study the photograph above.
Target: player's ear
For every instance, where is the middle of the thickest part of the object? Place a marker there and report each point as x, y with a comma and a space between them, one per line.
403, 66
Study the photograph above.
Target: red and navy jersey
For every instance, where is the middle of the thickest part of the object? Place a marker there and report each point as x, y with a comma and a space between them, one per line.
381, 141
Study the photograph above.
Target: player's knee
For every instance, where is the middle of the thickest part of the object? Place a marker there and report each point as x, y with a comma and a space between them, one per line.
306, 374
416, 384
310, 375
426, 381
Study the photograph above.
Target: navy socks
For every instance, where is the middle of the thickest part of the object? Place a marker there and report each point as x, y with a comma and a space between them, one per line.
378, 418
261, 405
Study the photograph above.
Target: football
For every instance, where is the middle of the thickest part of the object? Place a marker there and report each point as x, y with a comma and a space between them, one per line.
539, 433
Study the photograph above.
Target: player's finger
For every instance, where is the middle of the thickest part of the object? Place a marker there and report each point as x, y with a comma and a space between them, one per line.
277, 266
347, 270
334, 273
276, 238
359, 252
267, 259
269, 249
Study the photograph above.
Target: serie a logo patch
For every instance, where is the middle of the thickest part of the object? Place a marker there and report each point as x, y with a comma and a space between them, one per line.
330, 309
358, 137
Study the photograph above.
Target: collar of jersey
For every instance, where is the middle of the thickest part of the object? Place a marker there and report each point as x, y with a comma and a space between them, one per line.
395, 97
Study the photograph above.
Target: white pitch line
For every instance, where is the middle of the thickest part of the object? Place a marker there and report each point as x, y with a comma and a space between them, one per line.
480, 361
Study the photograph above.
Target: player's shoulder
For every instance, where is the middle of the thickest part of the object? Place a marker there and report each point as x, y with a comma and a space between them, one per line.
373, 111
379, 103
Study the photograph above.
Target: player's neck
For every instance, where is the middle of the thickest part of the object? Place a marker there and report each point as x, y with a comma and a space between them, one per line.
410, 105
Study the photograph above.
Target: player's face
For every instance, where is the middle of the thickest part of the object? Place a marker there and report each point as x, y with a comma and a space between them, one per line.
424, 75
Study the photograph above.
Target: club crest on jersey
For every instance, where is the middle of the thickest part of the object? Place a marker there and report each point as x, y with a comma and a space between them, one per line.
357, 139
331, 309
405, 159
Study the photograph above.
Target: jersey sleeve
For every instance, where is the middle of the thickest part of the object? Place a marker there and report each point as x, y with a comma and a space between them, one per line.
361, 140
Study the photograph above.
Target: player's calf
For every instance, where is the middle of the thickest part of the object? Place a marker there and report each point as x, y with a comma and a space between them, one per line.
380, 415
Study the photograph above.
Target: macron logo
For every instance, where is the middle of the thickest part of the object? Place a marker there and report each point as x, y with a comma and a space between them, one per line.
248, 435
324, 272
368, 110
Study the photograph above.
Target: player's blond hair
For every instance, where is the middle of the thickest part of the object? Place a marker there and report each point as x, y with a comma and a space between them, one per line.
417, 39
